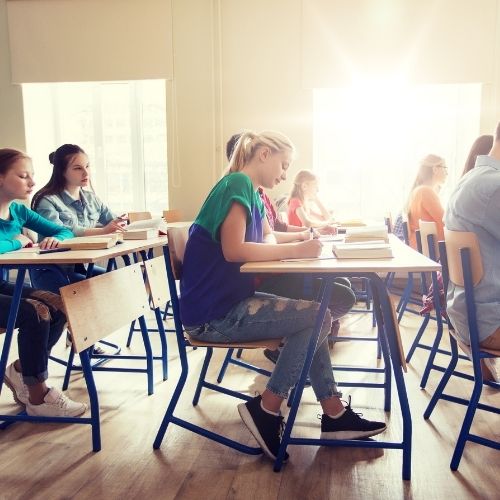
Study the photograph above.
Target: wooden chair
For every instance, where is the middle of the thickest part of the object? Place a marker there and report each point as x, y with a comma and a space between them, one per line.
173, 215
177, 238
88, 302
427, 242
464, 265
147, 357
136, 216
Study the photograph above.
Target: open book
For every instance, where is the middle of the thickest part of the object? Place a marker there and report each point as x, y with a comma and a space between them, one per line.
367, 234
362, 250
157, 224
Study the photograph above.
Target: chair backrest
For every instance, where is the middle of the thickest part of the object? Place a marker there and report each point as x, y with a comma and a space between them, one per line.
455, 241
177, 239
135, 216
426, 228
156, 275
99, 306
173, 215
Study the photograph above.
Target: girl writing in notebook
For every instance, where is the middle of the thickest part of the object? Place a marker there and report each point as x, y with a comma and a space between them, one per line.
40, 318
304, 205
68, 200
220, 304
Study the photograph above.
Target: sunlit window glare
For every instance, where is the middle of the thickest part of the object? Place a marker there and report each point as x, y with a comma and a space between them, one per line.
369, 138
120, 125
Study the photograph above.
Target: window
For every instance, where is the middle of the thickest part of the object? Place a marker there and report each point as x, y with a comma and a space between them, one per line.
368, 141
120, 125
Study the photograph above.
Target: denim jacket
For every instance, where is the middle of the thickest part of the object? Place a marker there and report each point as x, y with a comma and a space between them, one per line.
87, 212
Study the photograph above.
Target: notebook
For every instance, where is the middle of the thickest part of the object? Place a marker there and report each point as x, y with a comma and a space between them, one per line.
140, 234
157, 223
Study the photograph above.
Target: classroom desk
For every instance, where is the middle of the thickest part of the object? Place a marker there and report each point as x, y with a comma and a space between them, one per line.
24, 259
405, 260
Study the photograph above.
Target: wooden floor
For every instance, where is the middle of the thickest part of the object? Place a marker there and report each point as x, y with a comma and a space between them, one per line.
54, 461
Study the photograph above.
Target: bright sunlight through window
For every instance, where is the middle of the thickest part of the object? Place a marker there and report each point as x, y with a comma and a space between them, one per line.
368, 140
120, 125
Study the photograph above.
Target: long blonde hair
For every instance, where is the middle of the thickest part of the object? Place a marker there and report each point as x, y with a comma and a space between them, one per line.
301, 177
248, 144
424, 175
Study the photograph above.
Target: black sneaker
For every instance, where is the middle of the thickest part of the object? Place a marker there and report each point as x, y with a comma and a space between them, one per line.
266, 428
349, 426
272, 355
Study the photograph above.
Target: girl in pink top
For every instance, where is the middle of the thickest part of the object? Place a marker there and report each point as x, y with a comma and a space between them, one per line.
304, 206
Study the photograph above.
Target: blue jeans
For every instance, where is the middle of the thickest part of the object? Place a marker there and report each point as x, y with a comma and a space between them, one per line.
52, 279
265, 316
41, 321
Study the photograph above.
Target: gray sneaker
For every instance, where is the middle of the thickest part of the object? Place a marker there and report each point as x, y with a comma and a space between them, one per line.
14, 381
56, 404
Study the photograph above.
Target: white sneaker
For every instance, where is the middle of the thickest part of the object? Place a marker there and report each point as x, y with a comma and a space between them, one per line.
14, 381
56, 404
492, 368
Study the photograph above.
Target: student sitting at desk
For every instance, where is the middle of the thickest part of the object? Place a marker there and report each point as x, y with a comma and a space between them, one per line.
305, 207
219, 304
64, 201
423, 202
40, 319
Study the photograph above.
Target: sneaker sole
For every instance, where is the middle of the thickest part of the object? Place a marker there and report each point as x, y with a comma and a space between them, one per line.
73, 414
10, 385
248, 421
352, 434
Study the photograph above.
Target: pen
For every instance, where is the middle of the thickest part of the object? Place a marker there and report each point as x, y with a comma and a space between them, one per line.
311, 233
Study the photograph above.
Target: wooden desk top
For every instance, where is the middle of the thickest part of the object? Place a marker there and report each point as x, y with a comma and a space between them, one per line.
25, 257
405, 260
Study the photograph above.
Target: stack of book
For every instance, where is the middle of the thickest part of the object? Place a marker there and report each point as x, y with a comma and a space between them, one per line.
367, 234
145, 229
362, 250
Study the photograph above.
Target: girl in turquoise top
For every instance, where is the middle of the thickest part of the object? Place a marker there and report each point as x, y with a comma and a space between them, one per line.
40, 318
65, 201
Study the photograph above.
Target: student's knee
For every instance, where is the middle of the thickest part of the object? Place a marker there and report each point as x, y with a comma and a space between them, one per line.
31, 313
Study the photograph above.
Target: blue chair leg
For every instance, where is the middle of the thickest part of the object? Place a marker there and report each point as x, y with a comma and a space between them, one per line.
67, 373
225, 364
239, 352
203, 374
444, 380
405, 298
416, 341
130, 333
469, 416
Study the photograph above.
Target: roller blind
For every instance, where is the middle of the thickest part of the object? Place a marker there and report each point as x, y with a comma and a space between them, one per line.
89, 40
430, 41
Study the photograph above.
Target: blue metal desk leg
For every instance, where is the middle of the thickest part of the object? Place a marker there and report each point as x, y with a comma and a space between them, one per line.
11, 323
385, 304
382, 341
149, 354
94, 402
299, 388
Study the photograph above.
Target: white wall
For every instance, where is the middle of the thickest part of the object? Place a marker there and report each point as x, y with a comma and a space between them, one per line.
237, 64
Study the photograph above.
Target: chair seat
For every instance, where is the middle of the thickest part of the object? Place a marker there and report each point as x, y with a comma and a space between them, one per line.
466, 349
255, 344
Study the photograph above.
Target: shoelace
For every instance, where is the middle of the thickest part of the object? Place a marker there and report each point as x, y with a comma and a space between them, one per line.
347, 407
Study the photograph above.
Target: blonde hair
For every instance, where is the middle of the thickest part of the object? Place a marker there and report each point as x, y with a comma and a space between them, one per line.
425, 174
301, 177
248, 144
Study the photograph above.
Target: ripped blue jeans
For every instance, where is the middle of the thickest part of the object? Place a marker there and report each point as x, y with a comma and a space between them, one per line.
265, 316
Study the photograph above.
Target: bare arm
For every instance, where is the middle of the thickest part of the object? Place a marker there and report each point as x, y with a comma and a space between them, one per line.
236, 249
